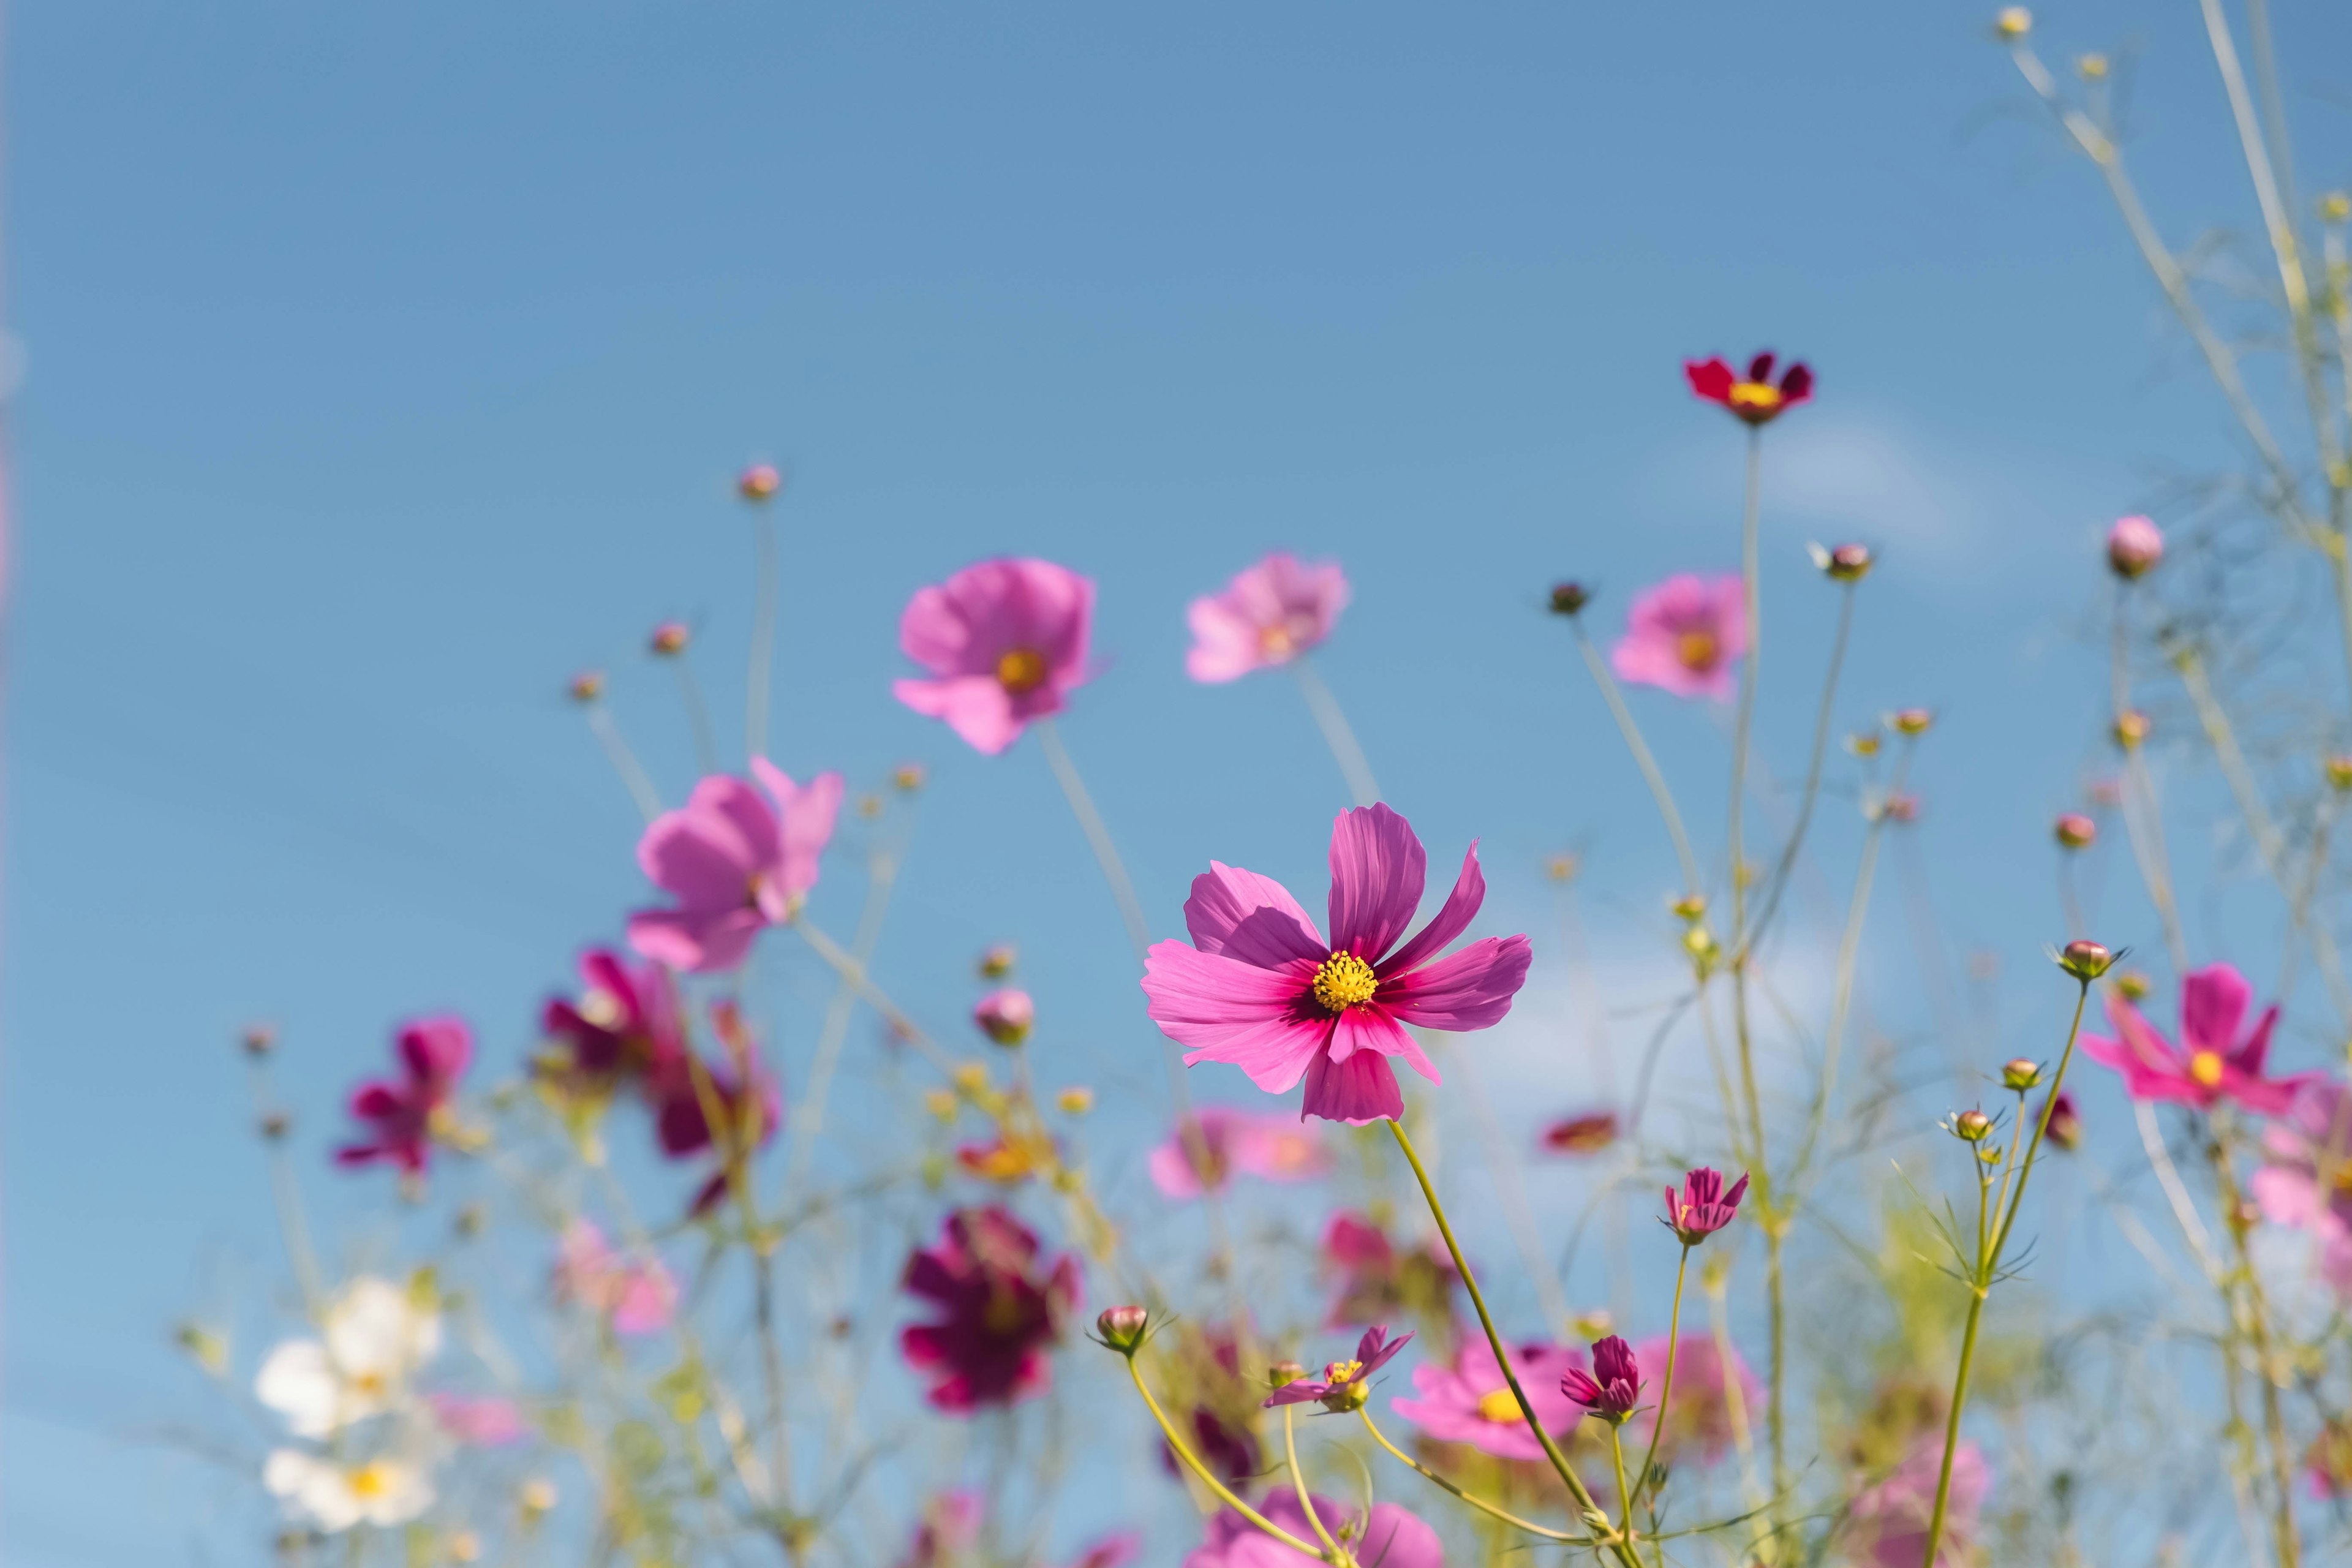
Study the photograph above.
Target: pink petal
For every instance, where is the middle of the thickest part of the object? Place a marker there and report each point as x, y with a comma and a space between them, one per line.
1359, 1090
975, 707
1372, 1029
1172, 1173
2213, 1003
722, 797
807, 816
648, 1298
2141, 1081
1378, 869
698, 859
1470, 990
2248, 1057
1225, 646
1224, 1010
1252, 918
693, 940
1453, 919
2287, 1197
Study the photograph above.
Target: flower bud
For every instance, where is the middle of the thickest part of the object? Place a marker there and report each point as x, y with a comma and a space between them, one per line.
1970, 1126
2075, 831
2339, 773
537, 1496
2013, 23
1689, 907
1283, 1373
1596, 1325
2065, 1127
940, 1103
1122, 1328
972, 1077
258, 1039
997, 962
1005, 1016
587, 686
759, 482
275, 1125
1563, 867
1900, 808
1570, 598
2132, 985
2092, 68
2335, 208
2020, 1074
1842, 563
2130, 729
907, 777
1700, 944
1075, 1100
669, 639
1862, 744
2085, 961
2135, 545
1910, 721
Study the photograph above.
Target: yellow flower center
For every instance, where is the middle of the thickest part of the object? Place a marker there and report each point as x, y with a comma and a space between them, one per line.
371, 1480
1020, 669
1276, 642
1344, 980
1003, 1314
1342, 1371
1502, 1407
1696, 649
2205, 1066
371, 1384
1757, 396
600, 1008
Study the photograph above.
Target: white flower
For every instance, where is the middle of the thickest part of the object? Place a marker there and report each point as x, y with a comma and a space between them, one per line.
377, 1335
381, 1493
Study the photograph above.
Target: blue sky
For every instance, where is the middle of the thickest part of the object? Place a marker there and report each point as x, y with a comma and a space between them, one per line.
388, 364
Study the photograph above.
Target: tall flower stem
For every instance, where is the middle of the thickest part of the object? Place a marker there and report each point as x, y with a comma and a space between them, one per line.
1751, 593
2250, 1314
1337, 734
1217, 1488
1331, 1552
763, 639
1666, 1388
1620, 1548
697, 717
1481, 1504
1786, 865
1617, 1457
1651, 775
624, 762
881, 875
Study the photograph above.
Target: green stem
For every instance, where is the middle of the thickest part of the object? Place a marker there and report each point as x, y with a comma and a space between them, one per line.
1217, 1488
2257, 1329
1481, 1504
1331, 1552
1787, 864
1751, 591
1617, 1456
763, 641
1643, 760
1666, 1388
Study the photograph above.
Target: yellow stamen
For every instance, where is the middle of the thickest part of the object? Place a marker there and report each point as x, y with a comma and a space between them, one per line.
372, 1479
1276, 642
1755, 397
1020, 669
370, 1384
1003, 1314
1696, 649
2205, 1066
1342, 1371
1502, 1407
1344, 980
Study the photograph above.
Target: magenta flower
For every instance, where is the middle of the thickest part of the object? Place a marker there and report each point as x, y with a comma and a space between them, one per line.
1005, 642
1702, 1207
733, 863
1700, 1423
1269, 615
2218, 1064
625, 1025
479, 1423
1890, 1520
1611, 1389
405, 1114
1222, 1142
1684, 636
1260, 988
1001, 1311
1387, 1537
1470, 1402
1345, 1384
635, 1296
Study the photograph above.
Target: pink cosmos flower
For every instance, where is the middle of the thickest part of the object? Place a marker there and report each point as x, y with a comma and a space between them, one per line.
483, 1423
1700, 1423
1470, 1402
733, 863
1269, 615
2305, 1179
1685, 634
1002, 1313
1387, 1537
1611, 1389
1261, 989
1005, 642
1890, 1520
1703, 1206
404, 1113
636, 1296
2218, 1064
1223, 1141
625, 1025
1345, 1384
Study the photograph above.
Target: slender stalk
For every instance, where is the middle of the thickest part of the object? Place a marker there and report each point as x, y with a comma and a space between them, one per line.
1337, 734
1617, 1457
2255, 1322
286, 1191
852, 970
1785, 868
1481, 1504
1666, 1389
763, 639
698, 717
1751, 591
624, 762
1217, 1488
835, 1033
1331, 1552
1656, 780
1090, 822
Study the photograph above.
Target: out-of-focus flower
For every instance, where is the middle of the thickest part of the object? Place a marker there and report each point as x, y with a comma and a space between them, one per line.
2135, 545
1753, 396
1005, 642
1261, 989
1684, 636
374, 1335
1220, 1142
625, 1025
407, 1114
1842, 563
1002, 1309
2130, 730
733, 863
2091, 67
1005, 1016
1613, 1387
1902, 810
682, 1100
1007, 1161
1470, 1402
1269, 615
2305, 1178
1862, 744
2065, 1129
1377, 1278
2075, 831
335, 1497
1911, 721
2334, 207
1345, 1384
258, 1039
486, 1421
586, 687
1586, 1133
998, 960
669, 639
634, 1295
1388, 1536
1703, 1206
205, 1345
1075, 1100
2338, 769
1111, 1552
1204, 1371
2106, 793
2327, 1463
950, 1529
536, 1497
2013, 23
759, 482
1890, 1519
2216, 1061
1700, 1426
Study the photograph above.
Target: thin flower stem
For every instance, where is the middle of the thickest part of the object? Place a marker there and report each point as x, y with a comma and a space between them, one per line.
697, 717
1337, 734
835, 1033
1666, 1389
763, 639
1617, 1456
1735, 1398
1090, 822
1481, 1504
624, 762
2256, 1327
2143, 813
1656, 780
1786, 866
1577, 1488
1502, 1161
2176, 1191
286, 1191
1331, 1552
1751, 591
851, 969
1217, 1488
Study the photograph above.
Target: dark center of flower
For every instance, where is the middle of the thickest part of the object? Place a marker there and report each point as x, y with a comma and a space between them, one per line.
1501, 1407
1020, 669
1697, 648
1344, 980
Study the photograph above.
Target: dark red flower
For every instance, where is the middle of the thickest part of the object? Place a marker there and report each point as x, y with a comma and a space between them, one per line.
625, 1025
1002, 1309
1587, 1133
1753, 397
1613, 1385
404, 1114
1702, 1207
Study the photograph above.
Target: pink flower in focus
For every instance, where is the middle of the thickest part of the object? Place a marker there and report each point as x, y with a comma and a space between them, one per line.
1222, 1142
1345, 1384
1684, 636
1000, 1313
1005, 642
2217, 1064
1260, 988
1890, 1520
1387, 1537
1470, 1402
733, 863
625, 1025
636, 1296
485, 1422
1700, 1423
1703, 1206
1611, 1389
1269, 615
404, 1114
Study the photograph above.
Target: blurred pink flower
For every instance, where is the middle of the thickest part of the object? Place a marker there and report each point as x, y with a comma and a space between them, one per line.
1586, 1133
2305, 1180
1269, 615
1684, 636
1259, 987
1890, 1520
480, 1423
1379, 1279
636, 1296
1005, 642
625, 1025
1223, 1141
1111, 1550
1002, 1314
1388, 1536
1700, 1423
1470, 1402
733, 863
951, 1528
2218, 1065
404, 1114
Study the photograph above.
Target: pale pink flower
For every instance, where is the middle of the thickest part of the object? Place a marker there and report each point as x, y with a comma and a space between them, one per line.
482, 1423
2305, 1179
1261, 989
1222, 1143
1269, 615
1470, 1402
636, 1296
734, 864
1890, 1520
1684, 636
1005, 642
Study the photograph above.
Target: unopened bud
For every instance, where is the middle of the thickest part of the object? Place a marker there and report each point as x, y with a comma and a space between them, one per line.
1900, 808
207, 1348
258, 1039
2132, 985
2130, 729
1075, 1100
1122, 1328
2339, 773
870, 806
1570, 598
2075, 831
2085, 961
1862, 744
2020, 1074
587, 686
997, 962
908, 777
1005, 1016
1910, 721
1842, 563
1699, 943
1563, 867
1689, 907
537, 1496
465, 1546
940, 1103
1970, 1126
2092, 68
275, 1125
971, 1077
1283, 1373
2135, 544
759, 482
2013, 23
2335, 208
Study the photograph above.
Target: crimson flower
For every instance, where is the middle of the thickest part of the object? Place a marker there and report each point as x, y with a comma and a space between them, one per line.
1703, 1207
1001, 1310
2219, 1062
404, 1113
1345, 1384
1612, 1387
1753, 397
625, 1023
1588, 1132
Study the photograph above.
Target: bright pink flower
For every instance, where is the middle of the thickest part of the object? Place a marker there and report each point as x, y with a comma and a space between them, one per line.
1223, 1141
1261, 989
1703, 1206
1753, 396
484, 1423
634, 1295
404, 1113
1002, 1312
951, 1528
1685, 634
1700, 1423
1269, 615
1613, 1385
1470, 1402
1345, 1384
2217, 1065
1890, 1520
1005, 642
625, 1024
1388, 1536
733, 863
